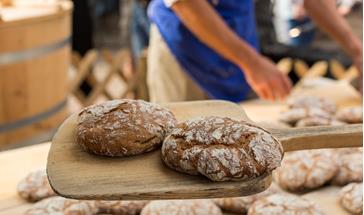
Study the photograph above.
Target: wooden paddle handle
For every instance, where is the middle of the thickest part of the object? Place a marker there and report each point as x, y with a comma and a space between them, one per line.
320, 137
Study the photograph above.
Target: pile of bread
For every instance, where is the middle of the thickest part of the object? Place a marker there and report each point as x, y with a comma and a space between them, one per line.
319, 111
220, 149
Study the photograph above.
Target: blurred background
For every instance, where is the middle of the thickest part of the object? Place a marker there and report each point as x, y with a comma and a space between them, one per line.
58, 56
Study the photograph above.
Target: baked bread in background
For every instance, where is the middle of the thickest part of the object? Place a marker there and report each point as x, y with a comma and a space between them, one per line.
35, 186
292, 116
241, 205
221, 149
181, 207
120, 207
351, 198
350, 115
284, 204
305, 170
60, 206
322, 103
318, 121
350, 163
123, 127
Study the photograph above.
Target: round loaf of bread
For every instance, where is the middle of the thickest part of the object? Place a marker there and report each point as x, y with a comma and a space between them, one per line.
35, 186
307, 169
350, 115
350, 162
292, 116
181, 207
123, 127
241, 205
120, 207
284, 204
324, 104
351, 198
59, 205
221, 149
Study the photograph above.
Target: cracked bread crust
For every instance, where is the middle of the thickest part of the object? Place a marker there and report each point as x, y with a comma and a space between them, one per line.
322, 103
318, 121
59, 205
350, 114
123, 127
181, 207
350, 163
221, 149
120, 207
309, 169
351, 198
35, 186
292, 116
284, 204
241, 205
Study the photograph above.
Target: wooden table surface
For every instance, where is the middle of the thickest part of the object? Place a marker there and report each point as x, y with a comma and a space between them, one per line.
16, 164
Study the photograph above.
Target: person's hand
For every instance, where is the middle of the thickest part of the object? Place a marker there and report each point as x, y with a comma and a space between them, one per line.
266, 80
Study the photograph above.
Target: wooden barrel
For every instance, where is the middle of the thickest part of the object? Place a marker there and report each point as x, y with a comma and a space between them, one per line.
34, 63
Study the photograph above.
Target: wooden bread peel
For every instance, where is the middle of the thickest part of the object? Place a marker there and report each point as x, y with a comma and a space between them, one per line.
74, 173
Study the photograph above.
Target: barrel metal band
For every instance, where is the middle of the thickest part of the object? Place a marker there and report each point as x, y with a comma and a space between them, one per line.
33, 119
13, 57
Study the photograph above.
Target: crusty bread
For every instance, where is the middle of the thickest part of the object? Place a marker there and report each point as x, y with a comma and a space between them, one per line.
318, 121
123, 127
307, 169
181, 207
120, 207
292, 116
350, 163
241, 205
351, 198
221, 149
59, 205
35, 186
322, 103
284, 204
350, 115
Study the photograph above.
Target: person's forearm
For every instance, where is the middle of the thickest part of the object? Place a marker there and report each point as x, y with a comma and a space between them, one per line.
204, 22
325, 15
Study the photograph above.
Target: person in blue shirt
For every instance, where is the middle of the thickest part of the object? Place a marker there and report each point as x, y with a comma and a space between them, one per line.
208, 49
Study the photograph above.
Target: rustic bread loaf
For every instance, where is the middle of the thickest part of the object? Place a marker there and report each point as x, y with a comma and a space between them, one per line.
123, 127
307, 169
350, 163
61, 206
318, 121
35, 186
351, 198
292, 116
350, 115
241, 205
181, 207
221, 149
324, 104
120, 207
284, 204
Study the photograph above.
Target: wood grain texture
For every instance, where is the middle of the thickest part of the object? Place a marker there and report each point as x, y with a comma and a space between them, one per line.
77, 174
317, 137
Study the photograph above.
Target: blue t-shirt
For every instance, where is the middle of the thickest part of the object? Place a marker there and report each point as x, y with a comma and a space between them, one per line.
218, 77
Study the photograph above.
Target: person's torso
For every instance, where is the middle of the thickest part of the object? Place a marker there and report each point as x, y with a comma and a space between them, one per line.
217, 76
